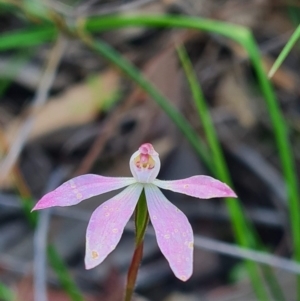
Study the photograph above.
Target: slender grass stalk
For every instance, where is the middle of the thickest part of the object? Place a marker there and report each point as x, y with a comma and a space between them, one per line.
240, 223
220, 166
28, 37
285, 51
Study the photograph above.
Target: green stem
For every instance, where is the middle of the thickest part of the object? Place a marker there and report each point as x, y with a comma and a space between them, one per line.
141, 222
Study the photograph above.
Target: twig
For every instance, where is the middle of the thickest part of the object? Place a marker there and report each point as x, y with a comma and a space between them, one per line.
257, 256
40, 242
235, 251
40, 256
39, 100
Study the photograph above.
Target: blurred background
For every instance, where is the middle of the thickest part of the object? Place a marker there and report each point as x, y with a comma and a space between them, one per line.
84, 83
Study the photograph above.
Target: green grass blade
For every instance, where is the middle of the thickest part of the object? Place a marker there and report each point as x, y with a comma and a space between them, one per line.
220, 167
63, 274
5, 293
27, 37
240, 224
285, 51
105, 23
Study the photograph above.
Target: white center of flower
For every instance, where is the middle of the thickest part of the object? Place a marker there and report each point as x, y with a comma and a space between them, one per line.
145, 164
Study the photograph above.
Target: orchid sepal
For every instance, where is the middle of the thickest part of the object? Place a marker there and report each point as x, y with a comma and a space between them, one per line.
80, 188
203, 187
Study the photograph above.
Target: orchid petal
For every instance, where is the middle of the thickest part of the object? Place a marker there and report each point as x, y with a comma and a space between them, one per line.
203, 187
174, 233
107, 223
80, 188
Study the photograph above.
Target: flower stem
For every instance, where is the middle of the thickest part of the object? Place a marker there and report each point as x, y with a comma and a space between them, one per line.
133, 270
141, 222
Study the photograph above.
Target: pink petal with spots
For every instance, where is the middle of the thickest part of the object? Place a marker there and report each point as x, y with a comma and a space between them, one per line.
80, 188
203, 187
174, 233
107, 224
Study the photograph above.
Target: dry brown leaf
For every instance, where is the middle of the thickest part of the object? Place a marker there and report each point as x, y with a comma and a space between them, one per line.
163, 72
232, 94
78, 105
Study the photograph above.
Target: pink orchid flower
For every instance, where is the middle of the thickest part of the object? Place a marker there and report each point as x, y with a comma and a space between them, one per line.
173, 231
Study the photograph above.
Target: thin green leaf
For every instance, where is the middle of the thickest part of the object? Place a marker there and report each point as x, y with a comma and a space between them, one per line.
285, 51
141, 219
27, 37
